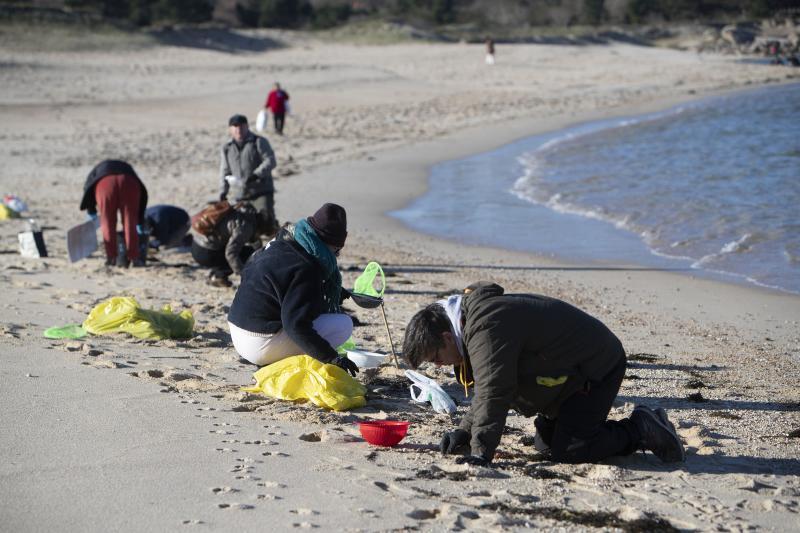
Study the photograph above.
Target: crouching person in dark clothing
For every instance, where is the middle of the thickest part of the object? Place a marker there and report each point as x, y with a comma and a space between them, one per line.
226, 248
289, 299
168, 226
539, 356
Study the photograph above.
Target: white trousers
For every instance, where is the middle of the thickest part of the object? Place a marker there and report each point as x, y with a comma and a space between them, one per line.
263, 349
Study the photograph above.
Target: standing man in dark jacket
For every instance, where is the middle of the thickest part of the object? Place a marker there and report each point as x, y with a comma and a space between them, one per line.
289, 300
277, 103
113, 186
246, 165
538, 356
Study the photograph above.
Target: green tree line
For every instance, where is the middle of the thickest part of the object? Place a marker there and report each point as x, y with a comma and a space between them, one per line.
329, 13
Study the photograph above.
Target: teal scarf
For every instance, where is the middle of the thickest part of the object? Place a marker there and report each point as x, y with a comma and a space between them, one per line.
306, 237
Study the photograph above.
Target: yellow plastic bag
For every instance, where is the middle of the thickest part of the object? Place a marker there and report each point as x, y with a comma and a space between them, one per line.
7, 213
122, 314
301, 377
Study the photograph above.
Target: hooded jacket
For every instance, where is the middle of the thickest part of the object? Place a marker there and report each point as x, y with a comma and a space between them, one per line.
232, 233
281, 288
100, 171
529, 353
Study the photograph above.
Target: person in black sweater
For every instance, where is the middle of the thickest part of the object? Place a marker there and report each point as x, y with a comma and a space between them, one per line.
289, 299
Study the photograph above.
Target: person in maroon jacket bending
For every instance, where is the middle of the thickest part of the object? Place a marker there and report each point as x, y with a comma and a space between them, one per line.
276, 103
110, 187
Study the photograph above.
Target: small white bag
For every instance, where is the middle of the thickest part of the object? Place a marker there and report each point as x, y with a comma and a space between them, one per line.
430, 391
261, 120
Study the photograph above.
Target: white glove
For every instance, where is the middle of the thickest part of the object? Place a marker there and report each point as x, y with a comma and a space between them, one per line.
234, 181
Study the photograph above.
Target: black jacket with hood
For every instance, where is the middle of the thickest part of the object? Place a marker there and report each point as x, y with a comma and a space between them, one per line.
527, 352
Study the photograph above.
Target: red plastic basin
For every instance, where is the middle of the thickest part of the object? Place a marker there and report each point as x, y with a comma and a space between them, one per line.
383, 432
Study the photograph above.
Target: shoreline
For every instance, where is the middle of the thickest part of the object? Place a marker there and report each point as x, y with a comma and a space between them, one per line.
542, 216
466, 143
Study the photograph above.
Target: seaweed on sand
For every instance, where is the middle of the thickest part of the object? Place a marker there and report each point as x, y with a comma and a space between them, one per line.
651, 523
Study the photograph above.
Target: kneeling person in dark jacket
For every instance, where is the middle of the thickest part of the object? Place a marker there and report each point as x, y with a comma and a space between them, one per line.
228, 246
289, 299
168, 226
539, 356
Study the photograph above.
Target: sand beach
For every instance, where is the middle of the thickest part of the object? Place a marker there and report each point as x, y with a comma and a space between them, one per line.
111, 433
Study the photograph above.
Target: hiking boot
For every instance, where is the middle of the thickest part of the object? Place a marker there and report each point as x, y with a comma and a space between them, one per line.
658, 434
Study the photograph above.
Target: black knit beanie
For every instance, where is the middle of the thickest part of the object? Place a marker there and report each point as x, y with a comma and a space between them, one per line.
330, 223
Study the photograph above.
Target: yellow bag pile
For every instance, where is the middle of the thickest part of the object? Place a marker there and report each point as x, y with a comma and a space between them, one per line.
7, 213
122, 314
301, 377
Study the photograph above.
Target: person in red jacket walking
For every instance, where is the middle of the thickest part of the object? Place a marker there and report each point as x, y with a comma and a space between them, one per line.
277, 103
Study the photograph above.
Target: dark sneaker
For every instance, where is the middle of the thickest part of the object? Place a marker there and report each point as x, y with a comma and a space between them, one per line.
122, 261
658, 434
138, 263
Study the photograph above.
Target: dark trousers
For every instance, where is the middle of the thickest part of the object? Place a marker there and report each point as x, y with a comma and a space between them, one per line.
279, 118
215, 259
581, 433
265, 205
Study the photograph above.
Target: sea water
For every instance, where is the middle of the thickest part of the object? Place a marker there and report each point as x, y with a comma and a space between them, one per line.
711, 187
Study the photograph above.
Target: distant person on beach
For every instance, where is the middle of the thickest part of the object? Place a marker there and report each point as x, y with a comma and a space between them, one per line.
539, 356
489, 51
277, 103
245, 171
228, 246
168, 226
113, 186
289, 300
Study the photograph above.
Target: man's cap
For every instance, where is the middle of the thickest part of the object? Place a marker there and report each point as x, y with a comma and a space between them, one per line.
330, 223
236, 120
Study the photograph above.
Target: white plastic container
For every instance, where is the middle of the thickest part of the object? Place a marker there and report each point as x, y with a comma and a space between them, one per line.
366, 359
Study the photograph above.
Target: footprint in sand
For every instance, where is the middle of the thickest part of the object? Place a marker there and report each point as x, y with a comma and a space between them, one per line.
271, 484
303, 512
698, 439
236, 506
423, 514
224, 490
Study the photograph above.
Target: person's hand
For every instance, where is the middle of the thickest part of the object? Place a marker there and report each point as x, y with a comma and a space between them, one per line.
346, 364
94, 218
453, 440
474, 460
